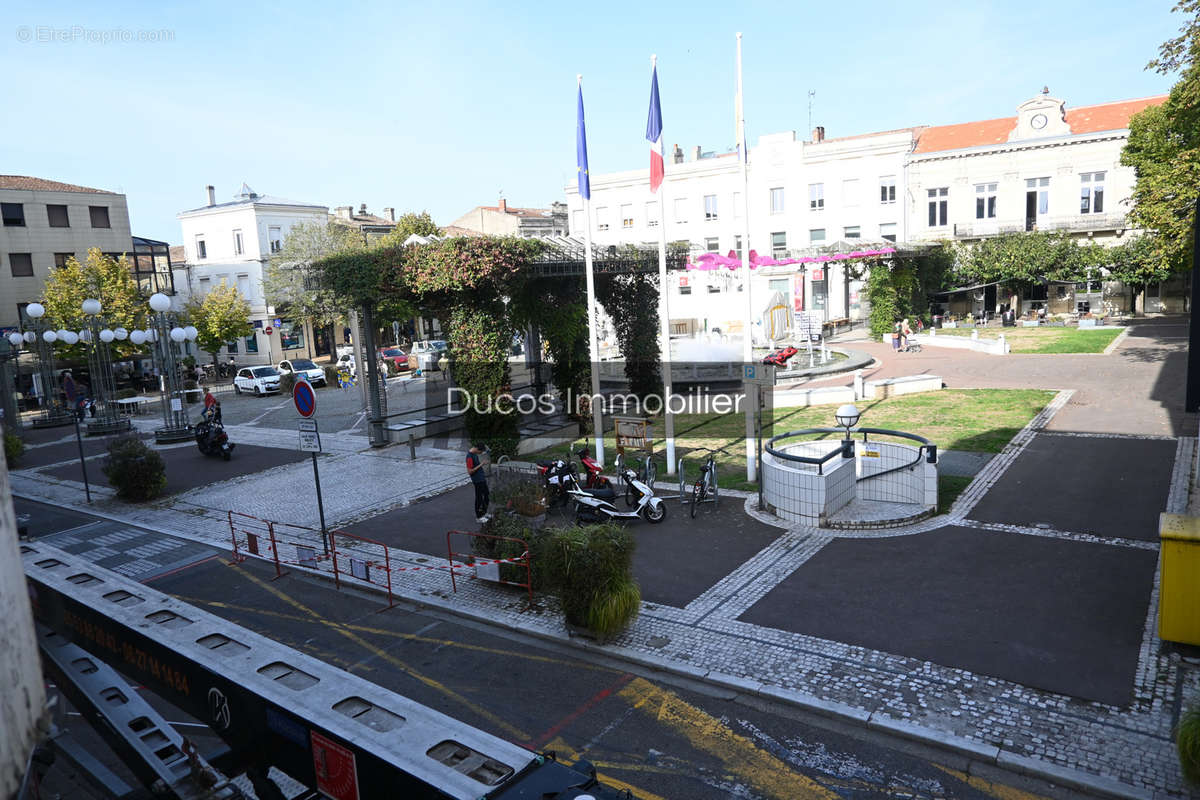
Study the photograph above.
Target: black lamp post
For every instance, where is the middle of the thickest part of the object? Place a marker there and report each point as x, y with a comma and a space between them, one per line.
847, 417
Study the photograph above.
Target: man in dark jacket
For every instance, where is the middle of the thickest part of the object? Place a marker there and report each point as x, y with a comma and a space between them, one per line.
479, 480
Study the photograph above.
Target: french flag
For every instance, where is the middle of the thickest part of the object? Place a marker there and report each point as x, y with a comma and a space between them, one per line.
654, 133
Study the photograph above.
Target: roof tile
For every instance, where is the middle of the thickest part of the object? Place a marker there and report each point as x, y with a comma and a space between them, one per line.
27, 183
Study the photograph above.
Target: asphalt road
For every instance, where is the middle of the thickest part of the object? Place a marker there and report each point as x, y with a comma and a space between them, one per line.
659, 739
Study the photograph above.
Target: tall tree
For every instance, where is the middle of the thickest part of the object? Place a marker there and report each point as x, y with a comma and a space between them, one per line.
222, 316
1164, 150
290, 281
421, 224
1020, 259
107, 279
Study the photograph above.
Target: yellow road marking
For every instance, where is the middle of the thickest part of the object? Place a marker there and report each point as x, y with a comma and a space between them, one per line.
496, 720
741, 757
567, 755
997, 790
397, 634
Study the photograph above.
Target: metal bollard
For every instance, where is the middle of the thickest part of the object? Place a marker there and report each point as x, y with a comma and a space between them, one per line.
412, 448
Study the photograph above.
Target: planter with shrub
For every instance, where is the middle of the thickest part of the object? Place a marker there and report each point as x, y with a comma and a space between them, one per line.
287, 382
124, 394
191, 392
589, 568
1187, 742
331, 375
527, 498
14, 448
135, 471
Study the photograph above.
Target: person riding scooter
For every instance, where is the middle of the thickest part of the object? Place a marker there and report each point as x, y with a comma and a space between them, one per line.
210, 433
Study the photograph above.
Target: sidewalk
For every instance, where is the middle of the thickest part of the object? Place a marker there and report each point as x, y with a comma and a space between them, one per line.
942, 631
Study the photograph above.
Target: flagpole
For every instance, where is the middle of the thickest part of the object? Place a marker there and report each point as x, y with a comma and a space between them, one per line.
593, 343
664, 314
748, 324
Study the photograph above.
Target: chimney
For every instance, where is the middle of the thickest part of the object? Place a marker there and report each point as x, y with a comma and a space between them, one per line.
345, 212
676, 154
362, 210
212, 195
503, 206
389, 214
818, 134
696, 153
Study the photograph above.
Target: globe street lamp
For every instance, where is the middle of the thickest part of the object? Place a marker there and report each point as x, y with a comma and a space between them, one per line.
107, 417
847, 417
166, 334
55, 412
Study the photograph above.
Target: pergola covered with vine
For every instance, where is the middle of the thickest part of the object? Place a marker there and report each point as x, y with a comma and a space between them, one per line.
489, 288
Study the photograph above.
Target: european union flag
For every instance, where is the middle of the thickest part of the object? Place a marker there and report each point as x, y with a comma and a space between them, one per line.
585, 182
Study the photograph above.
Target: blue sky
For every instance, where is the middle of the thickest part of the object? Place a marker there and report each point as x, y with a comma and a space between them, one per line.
442, 106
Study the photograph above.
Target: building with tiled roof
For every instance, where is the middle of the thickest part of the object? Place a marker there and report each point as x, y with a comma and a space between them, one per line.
371, 226
46, 222
505, 220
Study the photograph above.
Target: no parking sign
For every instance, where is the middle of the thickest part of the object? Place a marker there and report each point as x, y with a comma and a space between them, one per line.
305, 398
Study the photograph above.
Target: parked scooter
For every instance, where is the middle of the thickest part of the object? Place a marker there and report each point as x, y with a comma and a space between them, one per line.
594, 505
211, 437
555, 477
594, 480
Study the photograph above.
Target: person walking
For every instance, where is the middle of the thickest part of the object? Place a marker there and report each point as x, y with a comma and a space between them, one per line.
475, 470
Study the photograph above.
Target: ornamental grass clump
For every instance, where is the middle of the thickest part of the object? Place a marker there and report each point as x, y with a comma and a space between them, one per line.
591, 570
136, 472
14, 448
1187, 741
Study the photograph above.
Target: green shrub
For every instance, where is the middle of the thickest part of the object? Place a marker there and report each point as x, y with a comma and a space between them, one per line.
527, 498
134, 470
613, 606
589, 568
1187, 741
287, 381
14, 447
124, 393
189, 362
331, 375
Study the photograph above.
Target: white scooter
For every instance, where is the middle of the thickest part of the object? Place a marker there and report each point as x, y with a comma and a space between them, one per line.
591, 505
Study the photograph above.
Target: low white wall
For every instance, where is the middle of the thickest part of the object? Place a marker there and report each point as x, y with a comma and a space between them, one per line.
909, 384
994, 347
798, 493
803, 398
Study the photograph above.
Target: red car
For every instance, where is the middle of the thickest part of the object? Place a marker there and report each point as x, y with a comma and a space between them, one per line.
780, 357
396, 355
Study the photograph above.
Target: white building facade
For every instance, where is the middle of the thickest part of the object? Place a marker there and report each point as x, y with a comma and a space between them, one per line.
231, 243
908, 186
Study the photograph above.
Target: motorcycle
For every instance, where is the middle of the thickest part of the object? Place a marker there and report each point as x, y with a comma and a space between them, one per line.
211, 437
594, 505
555, 475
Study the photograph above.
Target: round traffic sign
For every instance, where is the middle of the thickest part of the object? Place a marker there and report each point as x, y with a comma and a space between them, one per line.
267, 330
305, 398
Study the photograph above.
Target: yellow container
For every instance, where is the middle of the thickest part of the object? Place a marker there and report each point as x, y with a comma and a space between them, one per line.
1179, 591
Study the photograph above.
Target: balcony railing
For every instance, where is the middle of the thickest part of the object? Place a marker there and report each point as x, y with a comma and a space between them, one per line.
1081, 222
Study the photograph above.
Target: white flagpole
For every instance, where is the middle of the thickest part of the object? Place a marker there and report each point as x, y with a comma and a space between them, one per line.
748, 324
664, 314
593, 343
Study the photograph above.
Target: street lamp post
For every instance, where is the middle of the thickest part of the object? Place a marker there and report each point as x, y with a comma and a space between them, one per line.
42, 338
847, 417
107, 417
165, 333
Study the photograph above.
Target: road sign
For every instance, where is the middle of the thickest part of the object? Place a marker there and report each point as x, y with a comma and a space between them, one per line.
335, 768
762, 374
305, 398
310, 438
267, 330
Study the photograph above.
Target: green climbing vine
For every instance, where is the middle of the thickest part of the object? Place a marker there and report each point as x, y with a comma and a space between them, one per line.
632, 303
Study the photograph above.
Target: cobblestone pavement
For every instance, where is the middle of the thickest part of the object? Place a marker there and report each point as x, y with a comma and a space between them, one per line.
1091, 746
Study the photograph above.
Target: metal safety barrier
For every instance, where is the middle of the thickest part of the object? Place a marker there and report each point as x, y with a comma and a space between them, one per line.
472, 561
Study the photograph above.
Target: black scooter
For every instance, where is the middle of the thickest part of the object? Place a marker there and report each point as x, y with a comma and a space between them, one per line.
211, 437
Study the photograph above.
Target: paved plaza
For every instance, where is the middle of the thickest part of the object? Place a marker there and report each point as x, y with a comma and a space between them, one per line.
1018, 630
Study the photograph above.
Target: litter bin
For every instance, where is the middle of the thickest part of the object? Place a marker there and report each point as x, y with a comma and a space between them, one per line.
937, 320
1179, 595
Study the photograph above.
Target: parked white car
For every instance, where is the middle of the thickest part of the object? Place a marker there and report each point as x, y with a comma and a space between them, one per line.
302, 366
258, 381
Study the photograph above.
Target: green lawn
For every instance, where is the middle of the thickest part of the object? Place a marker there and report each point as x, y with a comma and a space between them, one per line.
982, 420
949, 488
1044, 339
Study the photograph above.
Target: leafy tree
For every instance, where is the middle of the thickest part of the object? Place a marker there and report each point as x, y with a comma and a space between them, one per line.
421, 224
291, 281
1164, 150
1020, 259
107, 279
222, 316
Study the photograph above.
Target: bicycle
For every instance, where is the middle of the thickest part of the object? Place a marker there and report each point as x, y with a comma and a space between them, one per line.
706, 483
